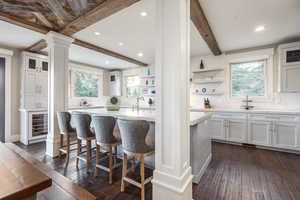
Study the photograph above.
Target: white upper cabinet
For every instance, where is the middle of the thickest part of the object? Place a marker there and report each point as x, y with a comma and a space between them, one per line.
34, 90
289, 67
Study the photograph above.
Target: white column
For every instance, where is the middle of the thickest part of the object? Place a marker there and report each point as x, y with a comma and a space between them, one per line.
172, 175
58, 46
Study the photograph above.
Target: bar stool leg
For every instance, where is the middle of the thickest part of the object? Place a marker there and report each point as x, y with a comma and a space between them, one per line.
78, 151
142, 172
97, 159
110, 164
88, 155
124, 171
68, 149
61, 144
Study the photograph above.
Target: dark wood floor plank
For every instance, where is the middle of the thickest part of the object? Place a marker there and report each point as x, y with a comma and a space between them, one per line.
235, 173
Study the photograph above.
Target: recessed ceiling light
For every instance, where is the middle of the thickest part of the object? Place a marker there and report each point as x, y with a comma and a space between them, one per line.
144, 14
260, 28
140, 54
107, 62
121, 43
97, 33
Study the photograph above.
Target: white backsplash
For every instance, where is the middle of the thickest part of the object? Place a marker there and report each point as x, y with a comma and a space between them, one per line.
278, 100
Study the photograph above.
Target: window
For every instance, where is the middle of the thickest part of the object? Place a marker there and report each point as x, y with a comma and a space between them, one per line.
132, 86
85, 84
248, 78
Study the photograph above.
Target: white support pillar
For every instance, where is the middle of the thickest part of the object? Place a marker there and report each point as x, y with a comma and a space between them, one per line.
172, 175
58, 45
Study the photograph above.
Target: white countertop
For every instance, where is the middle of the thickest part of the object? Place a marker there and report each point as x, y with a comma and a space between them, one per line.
198, 117
148, 115
254, 111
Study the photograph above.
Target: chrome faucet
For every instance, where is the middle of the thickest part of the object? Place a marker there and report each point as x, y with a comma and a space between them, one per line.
138, 102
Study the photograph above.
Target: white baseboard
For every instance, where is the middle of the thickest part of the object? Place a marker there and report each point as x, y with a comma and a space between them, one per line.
197, 177
13, 138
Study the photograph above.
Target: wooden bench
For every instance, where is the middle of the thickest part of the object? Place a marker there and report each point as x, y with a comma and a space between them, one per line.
19, 179
62, 187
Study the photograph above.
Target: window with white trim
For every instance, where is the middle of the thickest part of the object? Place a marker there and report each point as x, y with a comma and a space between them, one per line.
248, 78
133, 86
84, 84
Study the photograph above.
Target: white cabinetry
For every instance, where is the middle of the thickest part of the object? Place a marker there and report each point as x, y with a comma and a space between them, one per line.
271, 130
34, 87
236, 130
286, 135
217, 128
229, 127
289, 67
260, 132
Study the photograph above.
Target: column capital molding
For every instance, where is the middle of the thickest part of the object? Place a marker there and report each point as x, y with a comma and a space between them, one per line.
6, 52
53, 37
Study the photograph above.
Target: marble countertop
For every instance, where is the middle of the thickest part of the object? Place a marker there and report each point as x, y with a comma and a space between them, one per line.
254, 111
198, 117
148, 115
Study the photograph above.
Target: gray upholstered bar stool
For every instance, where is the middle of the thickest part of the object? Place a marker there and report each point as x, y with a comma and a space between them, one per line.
133, 134
84, 132
64, 119
106, 137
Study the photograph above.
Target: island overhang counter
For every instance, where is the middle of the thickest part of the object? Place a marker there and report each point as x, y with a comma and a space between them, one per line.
200, 141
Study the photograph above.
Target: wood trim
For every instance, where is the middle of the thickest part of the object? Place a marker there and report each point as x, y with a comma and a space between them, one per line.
36, 47
200, 21
23, 23
105, 9
108, 52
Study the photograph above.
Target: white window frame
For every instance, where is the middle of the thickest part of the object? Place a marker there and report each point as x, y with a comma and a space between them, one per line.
265, 78
126, 87
263, 54
89, 70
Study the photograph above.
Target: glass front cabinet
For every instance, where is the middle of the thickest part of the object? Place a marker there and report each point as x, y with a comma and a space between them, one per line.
34, 126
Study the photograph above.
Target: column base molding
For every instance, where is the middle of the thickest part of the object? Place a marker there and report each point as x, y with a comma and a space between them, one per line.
166, 186
52, 146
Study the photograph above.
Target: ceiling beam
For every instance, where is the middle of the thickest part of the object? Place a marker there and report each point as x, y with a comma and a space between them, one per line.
44, 30
201, 23
24, 23
38, 46
103, 10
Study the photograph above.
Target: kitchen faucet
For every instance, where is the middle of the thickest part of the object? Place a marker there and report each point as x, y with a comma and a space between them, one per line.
138, 102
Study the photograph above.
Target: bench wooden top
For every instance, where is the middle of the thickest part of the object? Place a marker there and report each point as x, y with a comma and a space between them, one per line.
62, 185
19, 178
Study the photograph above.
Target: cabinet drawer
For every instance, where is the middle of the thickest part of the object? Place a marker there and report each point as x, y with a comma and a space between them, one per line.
274, 117
229, 116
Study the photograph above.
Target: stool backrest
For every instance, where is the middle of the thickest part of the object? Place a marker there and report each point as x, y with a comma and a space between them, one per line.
82, 124
64, 122
104, 129
133, 134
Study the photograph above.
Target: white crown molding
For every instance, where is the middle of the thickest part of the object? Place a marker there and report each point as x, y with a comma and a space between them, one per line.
6, 52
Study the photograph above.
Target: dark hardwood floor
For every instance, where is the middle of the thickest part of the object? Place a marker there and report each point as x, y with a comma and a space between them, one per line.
235, 173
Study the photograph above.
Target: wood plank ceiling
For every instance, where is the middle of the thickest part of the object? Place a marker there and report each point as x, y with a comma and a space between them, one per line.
64, 16
70, 16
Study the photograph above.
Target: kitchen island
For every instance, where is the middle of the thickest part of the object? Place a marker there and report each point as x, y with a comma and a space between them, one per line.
200, 148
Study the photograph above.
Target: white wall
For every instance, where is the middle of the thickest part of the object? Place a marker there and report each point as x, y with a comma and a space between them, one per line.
275, 100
